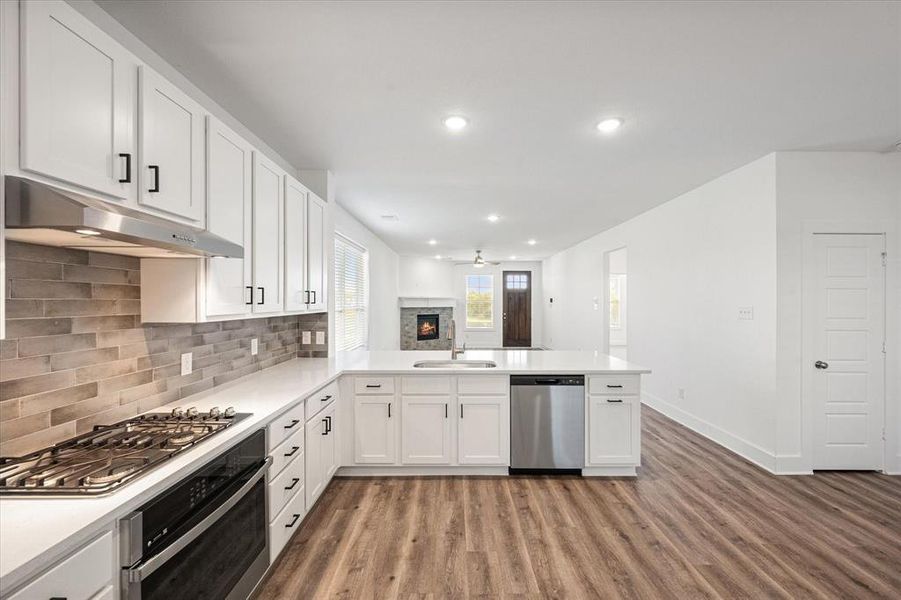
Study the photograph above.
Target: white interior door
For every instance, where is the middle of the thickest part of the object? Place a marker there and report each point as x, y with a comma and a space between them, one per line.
847, 297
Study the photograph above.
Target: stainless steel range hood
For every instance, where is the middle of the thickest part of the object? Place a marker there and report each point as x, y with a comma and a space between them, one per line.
39, 213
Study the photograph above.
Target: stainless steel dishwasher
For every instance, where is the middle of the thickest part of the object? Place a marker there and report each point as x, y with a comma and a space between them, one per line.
547, 423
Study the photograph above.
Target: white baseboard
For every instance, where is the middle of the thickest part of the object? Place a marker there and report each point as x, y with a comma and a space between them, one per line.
792, 464
608, 472
414, 470
747, 450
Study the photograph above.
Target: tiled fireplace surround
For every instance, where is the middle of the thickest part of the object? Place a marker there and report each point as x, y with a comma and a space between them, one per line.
76, 353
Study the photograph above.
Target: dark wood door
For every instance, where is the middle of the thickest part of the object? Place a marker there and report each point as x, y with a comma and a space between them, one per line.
517, 308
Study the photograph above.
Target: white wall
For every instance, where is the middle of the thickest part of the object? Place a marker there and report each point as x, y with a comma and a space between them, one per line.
691, 263
426, 278
493, 338
832, 192
384, 315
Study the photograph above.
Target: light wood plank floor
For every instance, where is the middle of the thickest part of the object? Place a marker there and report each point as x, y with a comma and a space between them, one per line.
698, 522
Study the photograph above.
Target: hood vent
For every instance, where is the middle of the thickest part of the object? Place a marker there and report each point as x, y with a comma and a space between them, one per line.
38, 213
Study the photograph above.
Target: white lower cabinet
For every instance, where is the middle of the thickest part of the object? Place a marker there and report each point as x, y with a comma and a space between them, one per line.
426, 430
84, 575
484, 430
614, 430
375, 430
285, 523
322, 455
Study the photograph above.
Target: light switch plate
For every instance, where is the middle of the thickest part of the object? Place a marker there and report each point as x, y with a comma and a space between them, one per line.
320, 337
745, 313
306, 337
186, 363
254, 346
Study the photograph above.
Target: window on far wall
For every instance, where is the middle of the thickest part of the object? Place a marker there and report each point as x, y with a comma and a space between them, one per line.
351, 294
479, 301
616, 300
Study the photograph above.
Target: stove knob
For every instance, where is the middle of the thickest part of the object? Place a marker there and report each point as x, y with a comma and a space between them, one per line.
229, 412
215, 412
177, 412
192, 412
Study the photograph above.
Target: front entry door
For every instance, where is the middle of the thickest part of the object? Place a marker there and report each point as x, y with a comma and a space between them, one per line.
518, 309
846, 297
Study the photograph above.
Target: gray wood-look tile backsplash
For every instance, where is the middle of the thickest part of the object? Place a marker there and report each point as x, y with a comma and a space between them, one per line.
76, 354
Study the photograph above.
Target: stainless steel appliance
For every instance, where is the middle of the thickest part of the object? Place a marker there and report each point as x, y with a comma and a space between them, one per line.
43, 214
547, 422
205, 537
101, 461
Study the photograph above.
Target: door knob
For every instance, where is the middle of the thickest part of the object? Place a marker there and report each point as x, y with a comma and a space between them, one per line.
821, 365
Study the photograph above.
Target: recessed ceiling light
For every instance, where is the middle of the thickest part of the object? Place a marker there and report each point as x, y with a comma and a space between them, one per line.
432, 242
513, 257
87, 232
437, 257
610, 125
456, 123
493, 218
531, 242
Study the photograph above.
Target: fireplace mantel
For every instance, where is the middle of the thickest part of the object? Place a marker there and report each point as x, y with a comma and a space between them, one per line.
425, 302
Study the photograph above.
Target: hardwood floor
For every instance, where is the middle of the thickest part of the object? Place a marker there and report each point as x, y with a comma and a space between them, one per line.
698, 522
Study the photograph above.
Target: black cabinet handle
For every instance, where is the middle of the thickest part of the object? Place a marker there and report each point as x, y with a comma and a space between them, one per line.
314, 296
461, 411
250, 287
325, 431
262, 295
389, 410
326, 399
294, 450
328, 424
374, 385
156, 178
614, 399
127, 157
293, 423
307, 292
445, 410
293, 521
615, 387
294, 481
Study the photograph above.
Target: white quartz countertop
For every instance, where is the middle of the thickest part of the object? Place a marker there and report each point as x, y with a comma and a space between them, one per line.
35, 532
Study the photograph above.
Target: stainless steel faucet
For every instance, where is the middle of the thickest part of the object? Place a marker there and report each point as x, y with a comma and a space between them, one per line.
452, 336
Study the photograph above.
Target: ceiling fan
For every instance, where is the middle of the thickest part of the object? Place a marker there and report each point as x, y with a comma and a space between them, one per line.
479, 262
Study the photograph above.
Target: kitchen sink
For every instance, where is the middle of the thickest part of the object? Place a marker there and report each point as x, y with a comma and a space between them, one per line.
455, 364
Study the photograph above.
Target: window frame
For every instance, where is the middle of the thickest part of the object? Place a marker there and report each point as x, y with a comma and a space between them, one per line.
363, 307
491, 291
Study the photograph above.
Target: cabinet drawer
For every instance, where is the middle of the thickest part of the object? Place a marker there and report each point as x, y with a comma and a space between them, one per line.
321, 399
286, 452
425, 384
483, 384
286, 424
613, 384
286, 523
374, 385
80, 577
283, 486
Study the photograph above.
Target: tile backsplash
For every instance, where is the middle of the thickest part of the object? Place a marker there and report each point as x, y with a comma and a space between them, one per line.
76, 353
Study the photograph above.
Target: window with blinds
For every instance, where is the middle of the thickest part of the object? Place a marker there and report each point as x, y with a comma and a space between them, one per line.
351, 294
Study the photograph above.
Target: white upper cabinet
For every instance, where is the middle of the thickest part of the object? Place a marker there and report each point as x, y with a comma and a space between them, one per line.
78, 99
268, 243
229, 161
171, 134
297, 295
317, 270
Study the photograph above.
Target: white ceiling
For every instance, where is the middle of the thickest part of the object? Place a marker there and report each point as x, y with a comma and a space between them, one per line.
361, 88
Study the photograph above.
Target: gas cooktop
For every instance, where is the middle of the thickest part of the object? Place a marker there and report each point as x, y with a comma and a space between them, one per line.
103, 460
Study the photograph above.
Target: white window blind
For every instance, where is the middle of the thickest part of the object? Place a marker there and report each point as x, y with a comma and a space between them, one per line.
351, 294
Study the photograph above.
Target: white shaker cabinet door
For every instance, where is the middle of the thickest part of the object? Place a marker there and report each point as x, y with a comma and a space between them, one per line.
314, 475
426, 430
374, 430
613, 430
229, 215
297, 295
483, 430
171, 134
78, 101
317, 269
268, 242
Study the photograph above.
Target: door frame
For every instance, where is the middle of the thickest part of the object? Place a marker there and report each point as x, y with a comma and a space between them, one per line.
808, 284
605, 298
504, 274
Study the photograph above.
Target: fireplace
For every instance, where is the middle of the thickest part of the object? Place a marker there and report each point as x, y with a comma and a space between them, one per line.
427, 327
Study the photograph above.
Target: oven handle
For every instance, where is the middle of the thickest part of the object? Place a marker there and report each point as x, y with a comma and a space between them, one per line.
141, 572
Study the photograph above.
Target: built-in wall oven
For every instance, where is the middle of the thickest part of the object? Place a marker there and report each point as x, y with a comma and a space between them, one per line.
205, 537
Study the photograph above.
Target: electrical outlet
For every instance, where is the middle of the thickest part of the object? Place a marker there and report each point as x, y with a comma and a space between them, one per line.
745, 313
186, 362
306, 337
254, 346
320, 337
